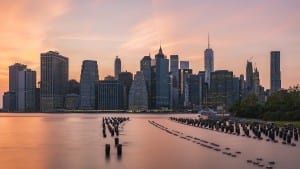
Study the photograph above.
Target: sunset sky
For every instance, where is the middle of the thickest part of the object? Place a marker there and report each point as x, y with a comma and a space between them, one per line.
102, 29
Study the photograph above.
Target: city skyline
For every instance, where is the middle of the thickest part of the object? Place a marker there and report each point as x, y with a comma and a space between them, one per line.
257, 31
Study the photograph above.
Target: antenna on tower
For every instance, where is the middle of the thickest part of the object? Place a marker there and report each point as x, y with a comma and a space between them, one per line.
208, 41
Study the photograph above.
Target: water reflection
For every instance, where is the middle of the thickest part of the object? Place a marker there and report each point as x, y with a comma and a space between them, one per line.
75, 141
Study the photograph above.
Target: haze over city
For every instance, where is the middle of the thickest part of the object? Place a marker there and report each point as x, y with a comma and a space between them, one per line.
101, 30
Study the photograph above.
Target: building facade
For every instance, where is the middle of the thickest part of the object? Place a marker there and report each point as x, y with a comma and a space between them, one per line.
54, 81
249, 78
126, 78
118, 67
138, 95
208, 63
221, 89
26, 98
275, 72
88, 78
161, 81
110, 95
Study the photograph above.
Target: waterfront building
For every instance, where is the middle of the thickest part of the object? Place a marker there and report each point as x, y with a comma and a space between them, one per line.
138, 96
221, 89
145, 67
88, 78
126, 78
54, 80
110, 95
26, 98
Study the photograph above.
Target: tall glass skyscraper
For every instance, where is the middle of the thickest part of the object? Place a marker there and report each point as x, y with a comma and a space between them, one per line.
275, 72
54, 80
145, 67
88, 78
26, 98
162, 80
117, 67
208, 63
14, 83
249, 78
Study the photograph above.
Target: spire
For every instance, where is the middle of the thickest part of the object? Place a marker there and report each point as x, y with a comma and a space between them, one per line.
160, 50
208, 41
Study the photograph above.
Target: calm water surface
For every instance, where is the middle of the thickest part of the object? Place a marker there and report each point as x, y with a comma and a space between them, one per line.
74, 141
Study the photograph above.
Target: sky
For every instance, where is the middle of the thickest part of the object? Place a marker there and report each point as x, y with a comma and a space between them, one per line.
103, 29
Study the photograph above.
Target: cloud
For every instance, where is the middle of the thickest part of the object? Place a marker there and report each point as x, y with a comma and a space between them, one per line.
24, 26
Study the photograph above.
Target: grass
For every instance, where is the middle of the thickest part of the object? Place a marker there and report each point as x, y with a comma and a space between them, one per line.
282, 123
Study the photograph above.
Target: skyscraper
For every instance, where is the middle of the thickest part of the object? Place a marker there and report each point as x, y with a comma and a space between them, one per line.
145, 67
184, 87
126, 79
249, 78
162, 80
88, 78
174, 60
54, 80
208, 63
117, 67
14, 83
221, 89
256, 82
138, 96
26, 90
275, 72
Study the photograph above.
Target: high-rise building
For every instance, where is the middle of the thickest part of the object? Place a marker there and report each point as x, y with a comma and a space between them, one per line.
256, 82
275, 72
109, 95
242, 86
14, 82
145, 67
175, 81
203, 89
249, 78
235, 90
126, 78
26, 91
221, 89
161, 80
194, 91
138, 96
117, 67
88, 78
54, 80
208, 63
184, 65
184, 87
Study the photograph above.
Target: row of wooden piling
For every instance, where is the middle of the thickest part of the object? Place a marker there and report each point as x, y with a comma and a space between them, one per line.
271, 131
112, 124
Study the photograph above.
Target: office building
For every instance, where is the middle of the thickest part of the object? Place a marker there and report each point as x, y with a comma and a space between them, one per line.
138, 96
208, 63
26, 98
110, 95
221, 89
249, 78
54, 80
161, 81
275, 72
88, 78
126, 78
118, 67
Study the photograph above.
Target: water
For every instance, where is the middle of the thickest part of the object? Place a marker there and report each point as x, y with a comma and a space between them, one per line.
74, 141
